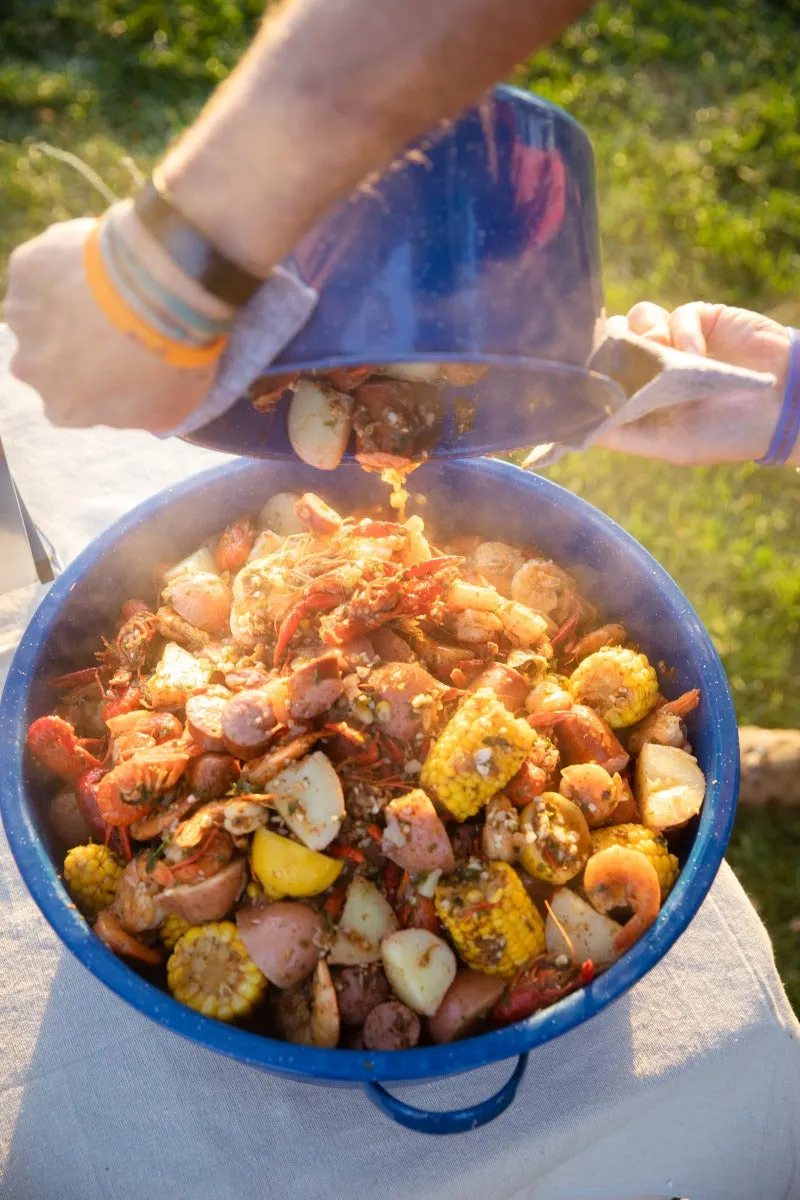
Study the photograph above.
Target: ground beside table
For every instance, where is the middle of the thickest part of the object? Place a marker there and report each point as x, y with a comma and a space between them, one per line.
686, 1086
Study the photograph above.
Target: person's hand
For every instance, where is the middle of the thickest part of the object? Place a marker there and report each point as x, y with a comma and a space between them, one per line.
85, 370
732, 429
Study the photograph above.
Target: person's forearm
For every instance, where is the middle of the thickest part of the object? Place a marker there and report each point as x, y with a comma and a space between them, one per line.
331, 91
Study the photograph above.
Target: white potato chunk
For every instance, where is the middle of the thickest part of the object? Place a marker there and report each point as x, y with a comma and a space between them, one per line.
199, 562
420, 968
367, 918
279, 515
309, 797
590, 933
319, 424
265, 544
413, 372
670, 787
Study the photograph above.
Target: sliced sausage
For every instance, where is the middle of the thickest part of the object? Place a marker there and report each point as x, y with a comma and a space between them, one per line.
283, 940
314, 687
317, 515
407, 698
211, 899
389, 646
204, 717
67, 820
212, 775
415, 837
246, 678
469, 997
506, 683
360, 989
247, 721
391, 1026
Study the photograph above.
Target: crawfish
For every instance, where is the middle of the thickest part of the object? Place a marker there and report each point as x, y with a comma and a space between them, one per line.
396, 592
55, 745
129, 790
539, 985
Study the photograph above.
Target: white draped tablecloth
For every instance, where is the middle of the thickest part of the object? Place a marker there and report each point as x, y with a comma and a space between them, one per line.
687, 1086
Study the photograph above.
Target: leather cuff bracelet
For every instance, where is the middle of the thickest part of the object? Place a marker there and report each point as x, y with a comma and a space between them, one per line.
191, 250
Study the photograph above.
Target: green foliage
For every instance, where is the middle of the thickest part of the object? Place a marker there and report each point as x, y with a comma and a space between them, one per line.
693, 109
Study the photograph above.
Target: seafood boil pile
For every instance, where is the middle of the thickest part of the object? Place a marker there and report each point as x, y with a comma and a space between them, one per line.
396, 412
353, 786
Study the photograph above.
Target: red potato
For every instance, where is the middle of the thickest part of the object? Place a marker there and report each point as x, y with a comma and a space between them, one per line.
210, 776
360, 989
391, 1026
204, 717
469, 997
313, 688
204, 600
67, 821
415, 837
390, 647
406, 697
283, 940
210, 900
247, 721
506, 683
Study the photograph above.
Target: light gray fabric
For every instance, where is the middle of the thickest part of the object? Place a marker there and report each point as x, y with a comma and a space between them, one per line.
679, 378
268, 322
687, 1086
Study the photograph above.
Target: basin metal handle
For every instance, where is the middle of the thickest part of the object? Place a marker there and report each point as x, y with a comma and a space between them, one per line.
459, 1120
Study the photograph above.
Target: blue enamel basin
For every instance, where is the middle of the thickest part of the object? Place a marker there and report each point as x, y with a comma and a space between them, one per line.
490, 498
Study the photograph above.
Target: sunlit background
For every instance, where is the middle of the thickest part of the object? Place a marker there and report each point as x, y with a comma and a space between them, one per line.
694, 111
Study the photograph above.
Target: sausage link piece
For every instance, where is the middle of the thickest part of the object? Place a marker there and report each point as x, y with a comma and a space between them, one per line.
204, 717
317, 515
247, 722
314, 687
212, 775
391, 1026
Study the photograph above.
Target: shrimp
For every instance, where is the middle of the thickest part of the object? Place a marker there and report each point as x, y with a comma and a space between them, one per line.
496, 564
502, 822
109, 930
664, 726
598, 639
595, 792
129, 790
549, 695
480, 613
136, 906
621, 878
310, 1016
235, 544
541, 585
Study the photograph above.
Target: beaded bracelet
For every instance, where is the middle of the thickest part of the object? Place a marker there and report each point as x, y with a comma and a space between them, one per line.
126, 319
788, 427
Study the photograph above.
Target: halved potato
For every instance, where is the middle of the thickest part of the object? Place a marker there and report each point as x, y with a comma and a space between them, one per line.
279, 514
200, 561
309, 797
420, 968
590, 933
366, 920
319, 424
670, 787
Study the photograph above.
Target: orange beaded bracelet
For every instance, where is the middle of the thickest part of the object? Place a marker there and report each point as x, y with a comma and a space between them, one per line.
123, 317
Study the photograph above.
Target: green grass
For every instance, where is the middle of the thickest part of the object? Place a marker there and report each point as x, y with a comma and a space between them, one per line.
694, 110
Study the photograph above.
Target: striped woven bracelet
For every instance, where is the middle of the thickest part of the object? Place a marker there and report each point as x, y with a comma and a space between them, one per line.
788, 427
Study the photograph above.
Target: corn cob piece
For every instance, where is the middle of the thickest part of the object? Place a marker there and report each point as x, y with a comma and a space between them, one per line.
91, 874
490, 917
172, 930
619, 684
211, 972
653, 845
479, 750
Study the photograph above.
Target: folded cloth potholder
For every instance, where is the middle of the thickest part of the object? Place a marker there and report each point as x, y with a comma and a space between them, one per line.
654, 377
272, 317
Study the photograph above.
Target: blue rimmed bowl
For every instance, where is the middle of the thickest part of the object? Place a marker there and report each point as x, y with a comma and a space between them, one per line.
490, 498
480, 244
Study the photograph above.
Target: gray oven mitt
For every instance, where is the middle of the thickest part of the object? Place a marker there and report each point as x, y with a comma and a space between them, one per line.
653, 377
267, 323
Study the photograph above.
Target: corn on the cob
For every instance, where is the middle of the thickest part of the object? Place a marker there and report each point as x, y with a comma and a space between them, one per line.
211, 972
91, 874
490, 917
653, 845
172, 930
479, 750
617, 683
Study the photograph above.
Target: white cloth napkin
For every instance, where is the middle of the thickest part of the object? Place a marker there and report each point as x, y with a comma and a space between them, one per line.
686, 1086
654, 377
